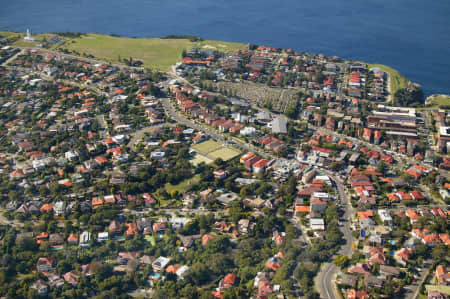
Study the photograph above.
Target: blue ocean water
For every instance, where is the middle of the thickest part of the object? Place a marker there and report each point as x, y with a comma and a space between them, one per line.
412, 36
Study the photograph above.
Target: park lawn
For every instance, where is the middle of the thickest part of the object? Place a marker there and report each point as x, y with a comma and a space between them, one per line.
438, 100
155, 53
183, 186
398, 81
207, 146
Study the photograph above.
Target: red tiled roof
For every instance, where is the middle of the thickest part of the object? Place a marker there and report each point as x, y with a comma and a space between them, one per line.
302, 209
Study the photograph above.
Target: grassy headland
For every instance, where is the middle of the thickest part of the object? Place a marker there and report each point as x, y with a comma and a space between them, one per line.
438, 101
155, 53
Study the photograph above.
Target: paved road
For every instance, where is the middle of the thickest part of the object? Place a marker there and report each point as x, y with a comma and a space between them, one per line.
6, 221
412, 291
324, 280
102, 124
6, 62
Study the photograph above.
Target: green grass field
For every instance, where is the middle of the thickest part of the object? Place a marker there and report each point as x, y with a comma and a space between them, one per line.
207, 146
183, 186
155, 53
440, 288
438, 100
398, 81
198, 158
215, 150
225, 153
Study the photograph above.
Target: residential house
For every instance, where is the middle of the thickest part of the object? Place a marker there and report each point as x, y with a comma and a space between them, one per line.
206, 238
244, 226
41, 288
56, 239
102, 237
318, 204
189, 199
354, 294
131, 229
161, 226
46, 264
124, 257
72, 239
160, 263
114, 227
85, 239
144, 225
317, 224
71, 278
359, 269
389, 271
59, 208
228, 281
371, 281
349, 280
442, 276
402, 256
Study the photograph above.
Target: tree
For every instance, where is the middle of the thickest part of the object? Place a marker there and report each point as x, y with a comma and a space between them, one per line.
409, 97
25, 244
198, 274
440, 252
381, 167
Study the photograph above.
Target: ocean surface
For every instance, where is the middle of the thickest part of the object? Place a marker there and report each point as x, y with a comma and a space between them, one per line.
412, 36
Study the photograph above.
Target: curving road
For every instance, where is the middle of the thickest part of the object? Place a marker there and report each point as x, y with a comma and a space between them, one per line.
324, 280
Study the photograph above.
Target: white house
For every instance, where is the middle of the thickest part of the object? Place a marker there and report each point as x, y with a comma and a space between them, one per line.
119, 138
157, 155
179, 222
317, 224
102, 237
247, 131
181, 272
385, 216
59, 208
160, 263
71, 155
85, 238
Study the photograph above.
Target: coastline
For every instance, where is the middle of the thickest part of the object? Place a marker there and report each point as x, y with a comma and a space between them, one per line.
158, 53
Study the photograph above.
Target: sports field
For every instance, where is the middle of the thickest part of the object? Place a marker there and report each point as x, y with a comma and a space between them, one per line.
213, 149
207, 146
155, 53
225, 153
